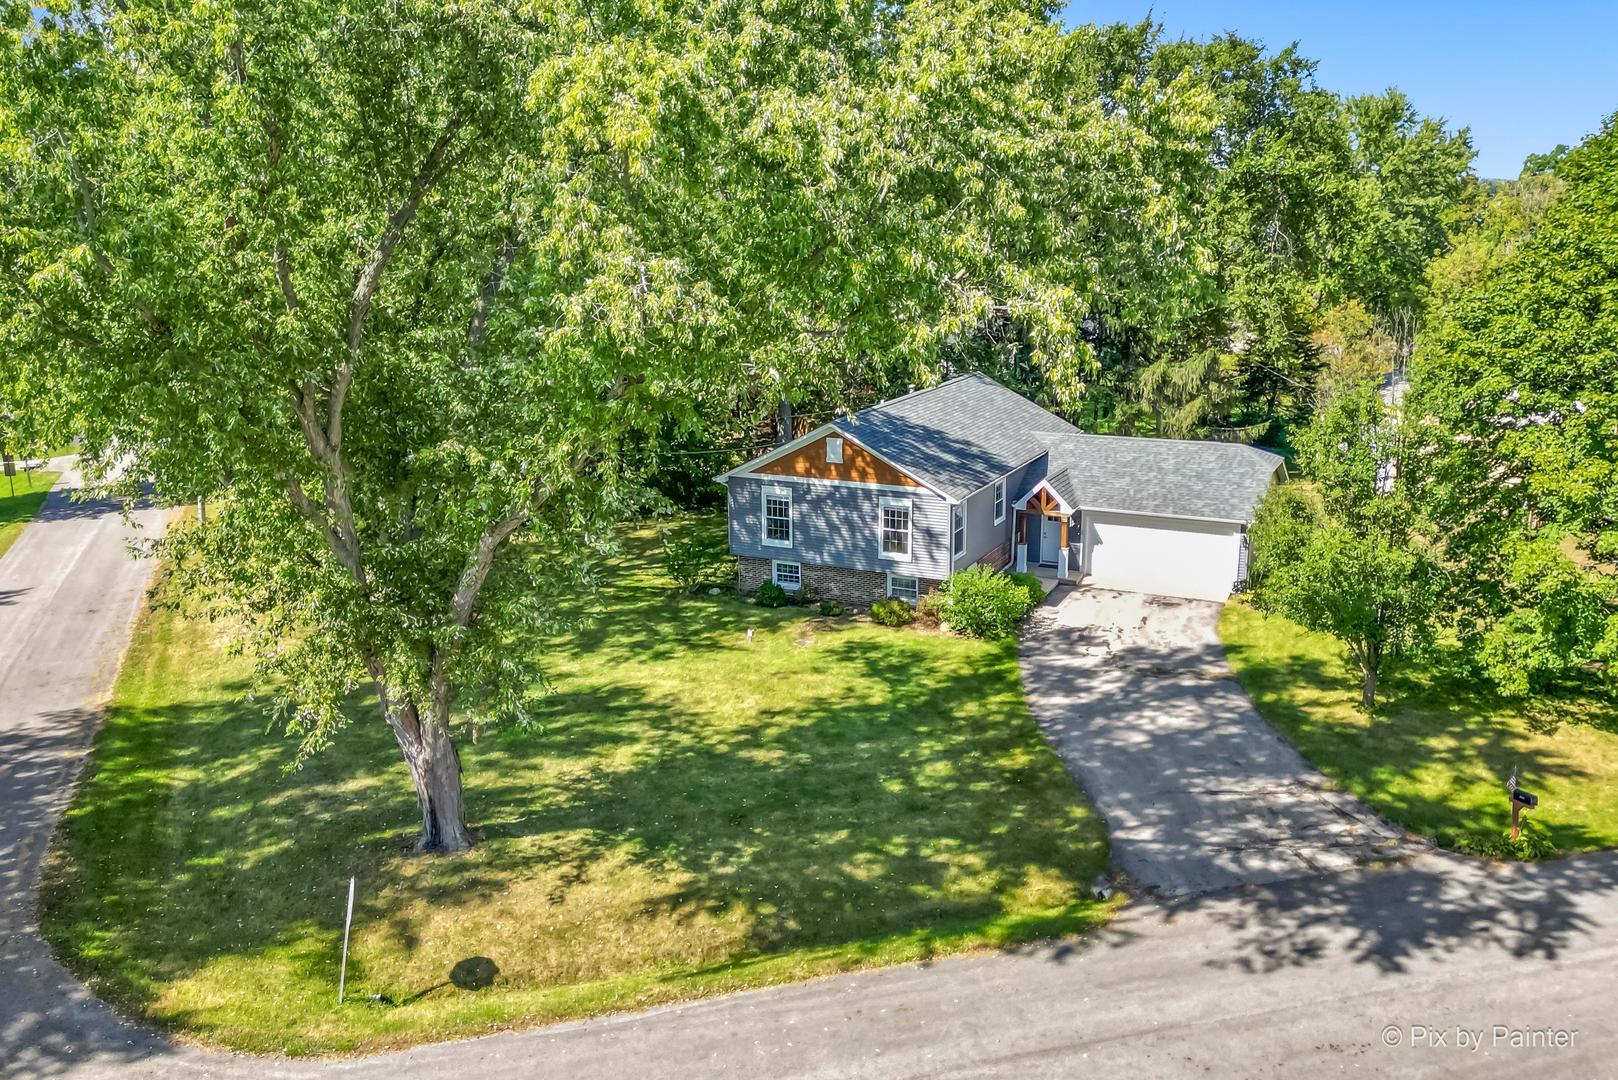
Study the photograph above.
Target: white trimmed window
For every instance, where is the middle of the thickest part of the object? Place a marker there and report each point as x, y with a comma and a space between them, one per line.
957, 530
834, 450
999, 501
895, 528
788, 575
778, 517
904, 588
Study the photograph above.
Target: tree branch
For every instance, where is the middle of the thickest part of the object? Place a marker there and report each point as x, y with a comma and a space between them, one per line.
87, 227
275, 148
481, 561
478, 331
432, 167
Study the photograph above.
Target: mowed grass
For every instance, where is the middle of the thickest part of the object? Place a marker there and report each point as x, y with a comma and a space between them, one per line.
17, 510
694, 815
1436, 755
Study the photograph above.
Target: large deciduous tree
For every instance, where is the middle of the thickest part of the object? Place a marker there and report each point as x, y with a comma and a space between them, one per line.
1514, 394
399, 282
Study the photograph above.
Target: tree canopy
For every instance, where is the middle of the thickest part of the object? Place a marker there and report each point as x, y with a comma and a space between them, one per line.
1515, 398
403, 286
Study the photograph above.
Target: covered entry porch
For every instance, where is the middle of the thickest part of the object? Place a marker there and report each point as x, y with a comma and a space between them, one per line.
1042, 540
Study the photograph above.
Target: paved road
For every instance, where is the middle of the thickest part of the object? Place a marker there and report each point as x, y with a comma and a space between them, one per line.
68, 591
1310, 975
1198, 792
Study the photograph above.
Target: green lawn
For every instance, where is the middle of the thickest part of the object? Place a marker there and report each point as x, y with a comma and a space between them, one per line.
696, 815
16, 511
1436, 755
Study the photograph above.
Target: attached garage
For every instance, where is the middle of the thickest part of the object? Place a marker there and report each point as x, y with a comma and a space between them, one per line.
1168, 556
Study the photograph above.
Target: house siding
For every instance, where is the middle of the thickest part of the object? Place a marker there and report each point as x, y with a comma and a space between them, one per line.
837, 525
986, 542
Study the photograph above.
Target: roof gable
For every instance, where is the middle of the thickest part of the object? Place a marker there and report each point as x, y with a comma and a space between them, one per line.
858, 465
958, 436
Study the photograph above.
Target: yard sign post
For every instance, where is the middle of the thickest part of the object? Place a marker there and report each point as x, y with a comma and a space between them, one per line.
348, 921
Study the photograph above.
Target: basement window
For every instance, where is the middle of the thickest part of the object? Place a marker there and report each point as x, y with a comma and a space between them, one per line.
904, 588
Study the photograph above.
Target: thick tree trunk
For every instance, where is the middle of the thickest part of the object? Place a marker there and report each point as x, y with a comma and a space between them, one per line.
1368, 684
435, 769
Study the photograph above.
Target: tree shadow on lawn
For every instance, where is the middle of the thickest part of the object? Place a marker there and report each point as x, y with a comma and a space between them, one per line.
818, 821
1425, 758
926, 807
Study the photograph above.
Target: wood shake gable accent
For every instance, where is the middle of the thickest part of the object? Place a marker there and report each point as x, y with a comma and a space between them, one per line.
859, 465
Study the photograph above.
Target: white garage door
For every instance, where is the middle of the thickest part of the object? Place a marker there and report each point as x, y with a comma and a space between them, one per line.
1167, 556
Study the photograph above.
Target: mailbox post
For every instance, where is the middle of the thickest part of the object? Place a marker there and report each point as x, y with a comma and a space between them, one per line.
1520, 800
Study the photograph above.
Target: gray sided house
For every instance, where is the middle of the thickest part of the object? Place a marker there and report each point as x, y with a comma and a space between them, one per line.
894, 499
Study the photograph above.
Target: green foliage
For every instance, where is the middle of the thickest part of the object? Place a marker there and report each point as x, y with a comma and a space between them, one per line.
831, 609
771, 595
985, 603
1353, 348
1313, 201
1351, 452
892, 612
1532, 844
410, 285
1378, 594
1030, 584
1516, 409
1561, 627
694, 558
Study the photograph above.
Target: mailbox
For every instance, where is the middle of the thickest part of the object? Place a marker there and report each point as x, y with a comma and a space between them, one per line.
1524, 799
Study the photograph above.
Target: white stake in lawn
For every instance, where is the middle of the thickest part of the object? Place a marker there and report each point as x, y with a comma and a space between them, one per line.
348, 921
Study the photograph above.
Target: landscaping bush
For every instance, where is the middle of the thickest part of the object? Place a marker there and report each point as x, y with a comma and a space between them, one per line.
984, 603
1533, 843
770, 594
693, 559
831, 608
892, 612
927, 610
1035, 587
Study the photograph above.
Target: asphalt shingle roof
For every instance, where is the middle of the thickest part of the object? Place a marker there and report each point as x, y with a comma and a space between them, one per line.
1174, 477
959, 435
962, 434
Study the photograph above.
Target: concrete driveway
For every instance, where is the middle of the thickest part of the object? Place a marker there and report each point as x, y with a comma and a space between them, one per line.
1198, 791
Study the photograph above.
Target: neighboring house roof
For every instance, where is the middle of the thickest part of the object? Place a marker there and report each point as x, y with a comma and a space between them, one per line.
957, 436
964, 434
1213, 481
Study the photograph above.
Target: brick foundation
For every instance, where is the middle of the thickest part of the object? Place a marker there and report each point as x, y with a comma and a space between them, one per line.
857, 589
998, 558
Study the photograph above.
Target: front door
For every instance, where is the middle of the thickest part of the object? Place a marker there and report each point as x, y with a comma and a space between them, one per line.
1050, 540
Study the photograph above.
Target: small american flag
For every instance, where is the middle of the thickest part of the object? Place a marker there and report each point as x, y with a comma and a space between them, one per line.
1511, 781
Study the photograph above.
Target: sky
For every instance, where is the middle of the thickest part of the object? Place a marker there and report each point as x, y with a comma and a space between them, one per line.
1524, 76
